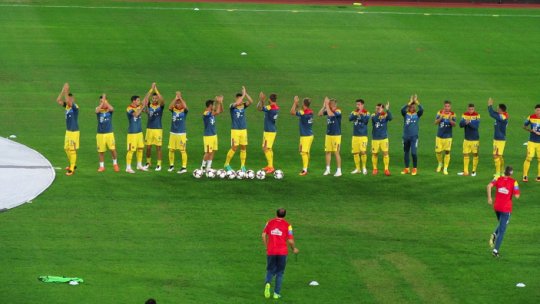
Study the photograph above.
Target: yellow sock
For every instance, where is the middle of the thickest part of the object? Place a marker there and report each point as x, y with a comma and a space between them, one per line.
363, 157
129, 158
149, 160
230, 155
171, 157
386, 161
357, 161
184, 159
139, 155
374, 161
446, 161
68, 155
502, 164
243, 156
497, 161
466, 160
159, 163
474, 163
269, 157
72, 159
439, 157
526, 166
305, 160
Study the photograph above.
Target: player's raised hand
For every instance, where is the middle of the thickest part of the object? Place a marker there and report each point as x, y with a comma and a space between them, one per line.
244, 91
296, 99
490, 101
387, 105
326, 101
262, 97
178, 95
219, 99
416, 99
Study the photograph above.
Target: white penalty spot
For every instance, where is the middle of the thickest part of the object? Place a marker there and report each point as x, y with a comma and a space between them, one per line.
313, 283
243, 54
520, 285
427, 14
73, 283
526, 143
196, 9
13, 136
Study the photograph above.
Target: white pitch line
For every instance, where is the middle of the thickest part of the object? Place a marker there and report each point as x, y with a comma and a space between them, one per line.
268, 10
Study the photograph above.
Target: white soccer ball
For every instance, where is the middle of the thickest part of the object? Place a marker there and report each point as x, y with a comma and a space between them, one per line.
231, 174
260, 174
210, 173
221, 173
250, 174
240, 174
197, 173
278, 174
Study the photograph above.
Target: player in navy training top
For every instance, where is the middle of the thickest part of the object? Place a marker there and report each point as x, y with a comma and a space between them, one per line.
105, 136
499, 135
239, 136
71, 139
154, 127
271, 111
332, 142
305, 122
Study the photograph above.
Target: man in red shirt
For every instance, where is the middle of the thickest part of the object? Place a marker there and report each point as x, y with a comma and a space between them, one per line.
276, 235
506, 188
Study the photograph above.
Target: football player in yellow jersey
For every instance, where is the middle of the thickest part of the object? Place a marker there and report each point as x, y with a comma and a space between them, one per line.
71, 141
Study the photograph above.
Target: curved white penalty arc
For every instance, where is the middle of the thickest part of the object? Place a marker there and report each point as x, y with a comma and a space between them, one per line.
24, 174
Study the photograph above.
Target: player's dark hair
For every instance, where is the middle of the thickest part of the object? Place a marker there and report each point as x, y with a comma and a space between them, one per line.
209, 102
134, 97
273, 97
360, 101
150, 301
502, 106
508, 171
447, 102
281, 212
537, 106
238, 95
380, 105
307, 102
471, 105
100, 97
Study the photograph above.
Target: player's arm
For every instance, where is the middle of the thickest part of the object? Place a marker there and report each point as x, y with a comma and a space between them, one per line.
160, 98
262, 100
101, 104
328, 110
61, 95
420, 110
353, 116
250, 100
145, 100
475, 124
389, 116
463, 122
453, 120
182, 101
294, 105
69, 101
264, 238
490, 200
404, 109
218, 108
173, 101
438, 118
292, 245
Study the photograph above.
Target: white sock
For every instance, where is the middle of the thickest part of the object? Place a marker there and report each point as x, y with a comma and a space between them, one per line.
203, 164
128, 167
338, 170
114, 162
101, 164
328, 168
139, 164
209, 164
305, 169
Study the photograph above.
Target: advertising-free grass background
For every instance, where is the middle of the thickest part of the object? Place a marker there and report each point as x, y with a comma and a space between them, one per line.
181, 240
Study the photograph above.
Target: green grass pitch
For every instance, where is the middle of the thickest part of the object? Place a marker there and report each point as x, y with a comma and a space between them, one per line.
365, 239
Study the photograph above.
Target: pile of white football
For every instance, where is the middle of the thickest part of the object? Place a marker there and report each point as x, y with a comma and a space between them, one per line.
223, 174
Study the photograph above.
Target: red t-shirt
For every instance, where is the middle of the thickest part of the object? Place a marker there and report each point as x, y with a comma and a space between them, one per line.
278, 231
506, 188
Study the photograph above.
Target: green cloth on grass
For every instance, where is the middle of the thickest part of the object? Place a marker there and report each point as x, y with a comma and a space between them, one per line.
58, 279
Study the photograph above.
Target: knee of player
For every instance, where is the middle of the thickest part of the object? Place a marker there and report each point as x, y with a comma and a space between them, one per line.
528, 158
